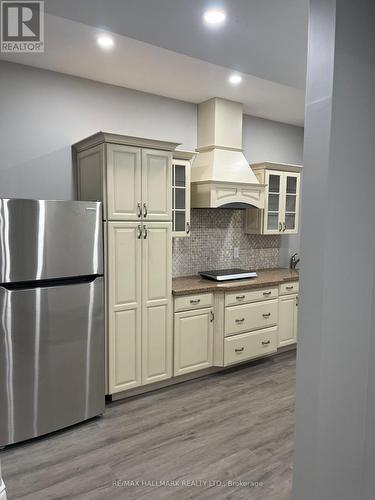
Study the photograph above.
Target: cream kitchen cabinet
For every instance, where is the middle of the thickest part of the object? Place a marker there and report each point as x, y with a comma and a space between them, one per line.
139, 304
288, 316
193, 340
282, 199
181, 170
124, 305
156, 301
131, 176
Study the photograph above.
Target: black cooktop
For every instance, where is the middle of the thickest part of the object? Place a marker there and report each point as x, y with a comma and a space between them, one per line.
228, 274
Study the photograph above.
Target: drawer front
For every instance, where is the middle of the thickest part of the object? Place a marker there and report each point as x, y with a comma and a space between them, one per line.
248, 317
197, 301
250, 345
243, 297
287, 288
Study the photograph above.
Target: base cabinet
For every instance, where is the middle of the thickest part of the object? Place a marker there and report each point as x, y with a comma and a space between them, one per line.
288, 314
193, 340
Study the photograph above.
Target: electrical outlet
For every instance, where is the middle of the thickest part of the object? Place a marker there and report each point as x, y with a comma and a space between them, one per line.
236, 253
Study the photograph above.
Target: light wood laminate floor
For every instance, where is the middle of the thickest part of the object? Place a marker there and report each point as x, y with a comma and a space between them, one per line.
235, 425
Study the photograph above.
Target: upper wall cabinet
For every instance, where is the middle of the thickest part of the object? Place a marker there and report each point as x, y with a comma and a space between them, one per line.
181, 169
282, 196
132, 176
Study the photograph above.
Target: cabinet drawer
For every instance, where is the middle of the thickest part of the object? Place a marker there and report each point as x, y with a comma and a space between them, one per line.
250, 345
248, 317
188, 302
287, 288
242, 297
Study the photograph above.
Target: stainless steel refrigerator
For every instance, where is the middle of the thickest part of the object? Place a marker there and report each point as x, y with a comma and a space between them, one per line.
51, 316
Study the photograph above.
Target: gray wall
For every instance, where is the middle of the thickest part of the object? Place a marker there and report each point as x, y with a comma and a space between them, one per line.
335, 411
43, 113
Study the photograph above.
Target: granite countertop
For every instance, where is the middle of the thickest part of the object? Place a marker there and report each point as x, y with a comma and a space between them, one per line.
186, 285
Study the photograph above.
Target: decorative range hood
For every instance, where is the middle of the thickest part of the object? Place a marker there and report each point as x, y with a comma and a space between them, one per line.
220, 175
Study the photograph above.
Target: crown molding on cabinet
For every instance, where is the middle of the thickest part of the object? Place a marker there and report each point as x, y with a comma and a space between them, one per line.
127, 140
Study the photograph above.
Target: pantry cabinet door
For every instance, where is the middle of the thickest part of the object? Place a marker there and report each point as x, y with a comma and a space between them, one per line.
124, 306
288, 309
156, 185
124, 182
156, 301
193, 340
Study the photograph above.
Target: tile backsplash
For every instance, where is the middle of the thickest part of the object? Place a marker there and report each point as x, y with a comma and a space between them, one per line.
214, 235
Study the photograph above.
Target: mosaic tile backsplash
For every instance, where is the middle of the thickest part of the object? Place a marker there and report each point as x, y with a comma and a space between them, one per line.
214, 235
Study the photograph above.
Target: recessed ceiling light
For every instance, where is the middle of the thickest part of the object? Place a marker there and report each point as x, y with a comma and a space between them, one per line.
235, 79
105, 41
214, 17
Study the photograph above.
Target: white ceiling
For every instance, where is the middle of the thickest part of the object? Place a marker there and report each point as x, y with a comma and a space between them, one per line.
70, 48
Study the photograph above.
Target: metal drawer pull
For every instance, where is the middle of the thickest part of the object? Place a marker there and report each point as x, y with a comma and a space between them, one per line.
289, 287
139, 234
144, 210
195, 301
240, 297
145, 232
238, 321
266, 342
266, 315
240, 349
267, 294
139, 210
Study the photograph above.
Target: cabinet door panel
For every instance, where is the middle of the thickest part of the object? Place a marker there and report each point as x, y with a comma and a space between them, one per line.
124, 182
181, 198
287, 320
290, 210
156, 302
273, 202
124, 306
193, 341
156, 185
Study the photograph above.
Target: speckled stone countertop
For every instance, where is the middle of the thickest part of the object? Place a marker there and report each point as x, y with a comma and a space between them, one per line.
266, 277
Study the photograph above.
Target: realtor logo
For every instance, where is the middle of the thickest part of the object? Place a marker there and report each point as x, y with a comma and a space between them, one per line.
22, 26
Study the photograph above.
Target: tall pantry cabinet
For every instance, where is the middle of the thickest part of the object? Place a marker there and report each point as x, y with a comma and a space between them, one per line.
133, 178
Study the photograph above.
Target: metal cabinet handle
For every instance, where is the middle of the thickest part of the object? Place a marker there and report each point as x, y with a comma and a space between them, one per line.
188, 228
145, 210
289, 287
139, 233
240, 297
284, 226
139, 210
266, 342
239, 321
280, 227
267, 294
195, 301
297, 300
240, 349
212, 316
266, 315
145, 232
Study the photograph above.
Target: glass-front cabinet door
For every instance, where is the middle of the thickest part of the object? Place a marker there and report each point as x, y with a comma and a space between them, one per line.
282, 202
180, 198
290, 203
273, 202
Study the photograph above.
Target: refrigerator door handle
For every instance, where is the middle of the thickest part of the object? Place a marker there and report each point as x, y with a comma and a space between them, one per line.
27, 285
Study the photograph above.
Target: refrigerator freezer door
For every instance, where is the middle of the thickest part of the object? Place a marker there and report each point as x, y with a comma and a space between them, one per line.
49, 239
51, 358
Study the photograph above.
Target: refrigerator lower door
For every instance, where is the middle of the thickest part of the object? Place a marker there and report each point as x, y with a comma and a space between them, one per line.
51, 358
